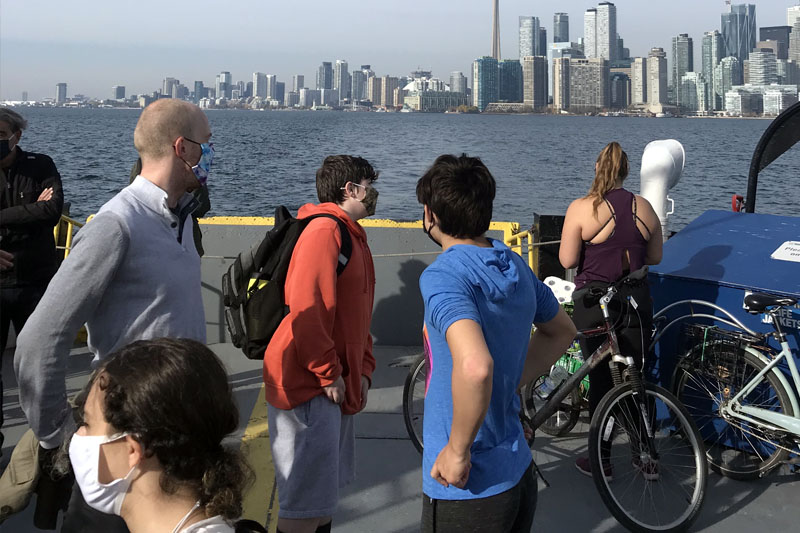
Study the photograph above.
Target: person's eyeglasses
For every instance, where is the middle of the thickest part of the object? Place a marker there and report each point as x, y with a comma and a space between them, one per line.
356, 184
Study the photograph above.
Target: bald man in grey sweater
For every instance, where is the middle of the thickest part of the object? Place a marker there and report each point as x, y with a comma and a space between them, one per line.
133, 274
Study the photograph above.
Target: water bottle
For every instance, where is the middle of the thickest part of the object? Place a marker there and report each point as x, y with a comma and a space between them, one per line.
558, 375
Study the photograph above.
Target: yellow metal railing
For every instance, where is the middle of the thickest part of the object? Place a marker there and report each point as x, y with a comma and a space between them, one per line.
66, 228
524, 243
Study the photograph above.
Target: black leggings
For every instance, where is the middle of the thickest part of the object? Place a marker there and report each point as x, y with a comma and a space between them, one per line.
632, 333
510, 511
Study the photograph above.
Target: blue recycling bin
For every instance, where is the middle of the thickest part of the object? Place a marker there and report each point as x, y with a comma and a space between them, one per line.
720, 257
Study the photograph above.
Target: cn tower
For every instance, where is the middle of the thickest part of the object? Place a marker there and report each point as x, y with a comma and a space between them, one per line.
496, 30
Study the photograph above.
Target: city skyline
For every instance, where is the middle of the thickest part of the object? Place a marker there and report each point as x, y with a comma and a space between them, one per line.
64, 56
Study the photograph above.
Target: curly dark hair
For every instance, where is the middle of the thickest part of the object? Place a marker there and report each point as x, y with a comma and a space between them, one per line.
173, 397
336, 171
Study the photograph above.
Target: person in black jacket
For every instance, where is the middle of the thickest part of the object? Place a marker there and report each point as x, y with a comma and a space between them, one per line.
31, 201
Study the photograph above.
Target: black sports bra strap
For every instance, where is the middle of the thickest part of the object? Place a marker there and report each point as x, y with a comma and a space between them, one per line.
613, 217
637, 218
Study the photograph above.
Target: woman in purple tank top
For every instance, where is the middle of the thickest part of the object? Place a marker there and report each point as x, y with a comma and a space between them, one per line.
607, 234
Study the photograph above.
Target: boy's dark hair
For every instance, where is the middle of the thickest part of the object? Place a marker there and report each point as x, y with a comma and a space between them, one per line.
460, 191
336, 171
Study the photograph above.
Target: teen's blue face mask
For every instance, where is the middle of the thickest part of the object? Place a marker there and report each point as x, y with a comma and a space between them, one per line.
203, 167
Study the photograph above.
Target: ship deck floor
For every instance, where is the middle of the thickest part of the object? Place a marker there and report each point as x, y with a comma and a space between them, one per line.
386, 495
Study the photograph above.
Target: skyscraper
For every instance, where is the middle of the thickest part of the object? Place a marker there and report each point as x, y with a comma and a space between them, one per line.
792, 15
692, 87
374, 90
118, 92
167, 86
298, 82
619, 90
280, 91
727, 74
325, 76
657, 76
259, 85
713, 52
682, 62
588, 85
272, 86
358, 85
780, 34
24, 96
600, 31
485, 86
541, 50
199, 91
223, 84
61, 93
561, 83
510, 80
763, 67
561, 28
534, 74
388, 85
528, 36
341, 79
458, 82
739, 30
496, 30
607, 31
590, 33
794, 42
639, 81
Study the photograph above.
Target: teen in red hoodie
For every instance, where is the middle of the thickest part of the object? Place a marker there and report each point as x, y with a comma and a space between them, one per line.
319, 363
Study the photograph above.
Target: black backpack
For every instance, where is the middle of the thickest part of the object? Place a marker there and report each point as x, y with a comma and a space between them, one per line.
253, 287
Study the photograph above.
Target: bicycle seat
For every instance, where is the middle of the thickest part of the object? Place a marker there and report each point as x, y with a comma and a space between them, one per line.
759, 301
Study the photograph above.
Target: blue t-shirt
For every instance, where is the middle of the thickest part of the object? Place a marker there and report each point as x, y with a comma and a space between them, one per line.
495, 288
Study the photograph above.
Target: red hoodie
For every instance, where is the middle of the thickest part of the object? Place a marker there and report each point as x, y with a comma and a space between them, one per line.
326, 333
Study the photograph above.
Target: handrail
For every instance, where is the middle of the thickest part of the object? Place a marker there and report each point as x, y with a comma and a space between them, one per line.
516, 243
69, 224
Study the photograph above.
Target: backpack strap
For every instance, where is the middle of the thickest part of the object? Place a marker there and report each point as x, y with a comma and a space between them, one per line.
346, 249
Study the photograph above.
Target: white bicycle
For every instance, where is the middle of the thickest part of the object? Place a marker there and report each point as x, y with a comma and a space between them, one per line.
732, 385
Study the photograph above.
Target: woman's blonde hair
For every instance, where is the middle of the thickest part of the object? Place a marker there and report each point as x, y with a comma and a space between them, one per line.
612, 165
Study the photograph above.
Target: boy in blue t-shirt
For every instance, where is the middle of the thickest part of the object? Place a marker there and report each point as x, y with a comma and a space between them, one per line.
480, 301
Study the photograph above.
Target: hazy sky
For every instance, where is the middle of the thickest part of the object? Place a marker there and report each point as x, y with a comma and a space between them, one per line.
94, 44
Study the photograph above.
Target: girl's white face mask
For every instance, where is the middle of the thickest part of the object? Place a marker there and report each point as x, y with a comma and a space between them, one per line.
84, 454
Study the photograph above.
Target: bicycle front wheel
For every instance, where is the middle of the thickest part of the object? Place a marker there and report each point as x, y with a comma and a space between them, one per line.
414, 400
709, 377
649, 483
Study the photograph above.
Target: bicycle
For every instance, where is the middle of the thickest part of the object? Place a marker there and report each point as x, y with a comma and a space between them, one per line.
730, 382
640, 432
569, 411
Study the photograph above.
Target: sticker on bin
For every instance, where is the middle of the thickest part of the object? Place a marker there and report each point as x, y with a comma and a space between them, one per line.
788, 251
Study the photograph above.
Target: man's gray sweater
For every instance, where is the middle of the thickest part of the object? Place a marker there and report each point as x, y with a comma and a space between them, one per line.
127, 278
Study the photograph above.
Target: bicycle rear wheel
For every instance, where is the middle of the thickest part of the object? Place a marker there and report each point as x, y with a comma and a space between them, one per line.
654, 484
414, 401
706, 378
563, 420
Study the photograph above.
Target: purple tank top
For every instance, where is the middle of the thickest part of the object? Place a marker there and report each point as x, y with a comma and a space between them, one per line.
604, 261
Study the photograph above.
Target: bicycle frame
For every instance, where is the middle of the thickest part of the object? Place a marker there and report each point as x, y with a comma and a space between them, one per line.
734, 409
609, 347
775, 421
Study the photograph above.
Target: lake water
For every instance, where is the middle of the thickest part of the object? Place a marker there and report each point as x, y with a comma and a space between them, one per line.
541, 163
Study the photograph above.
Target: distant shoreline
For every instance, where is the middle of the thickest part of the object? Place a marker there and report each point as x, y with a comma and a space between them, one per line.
18, 104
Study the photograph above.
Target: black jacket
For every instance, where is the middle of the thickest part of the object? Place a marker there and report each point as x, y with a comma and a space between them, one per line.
26, 226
